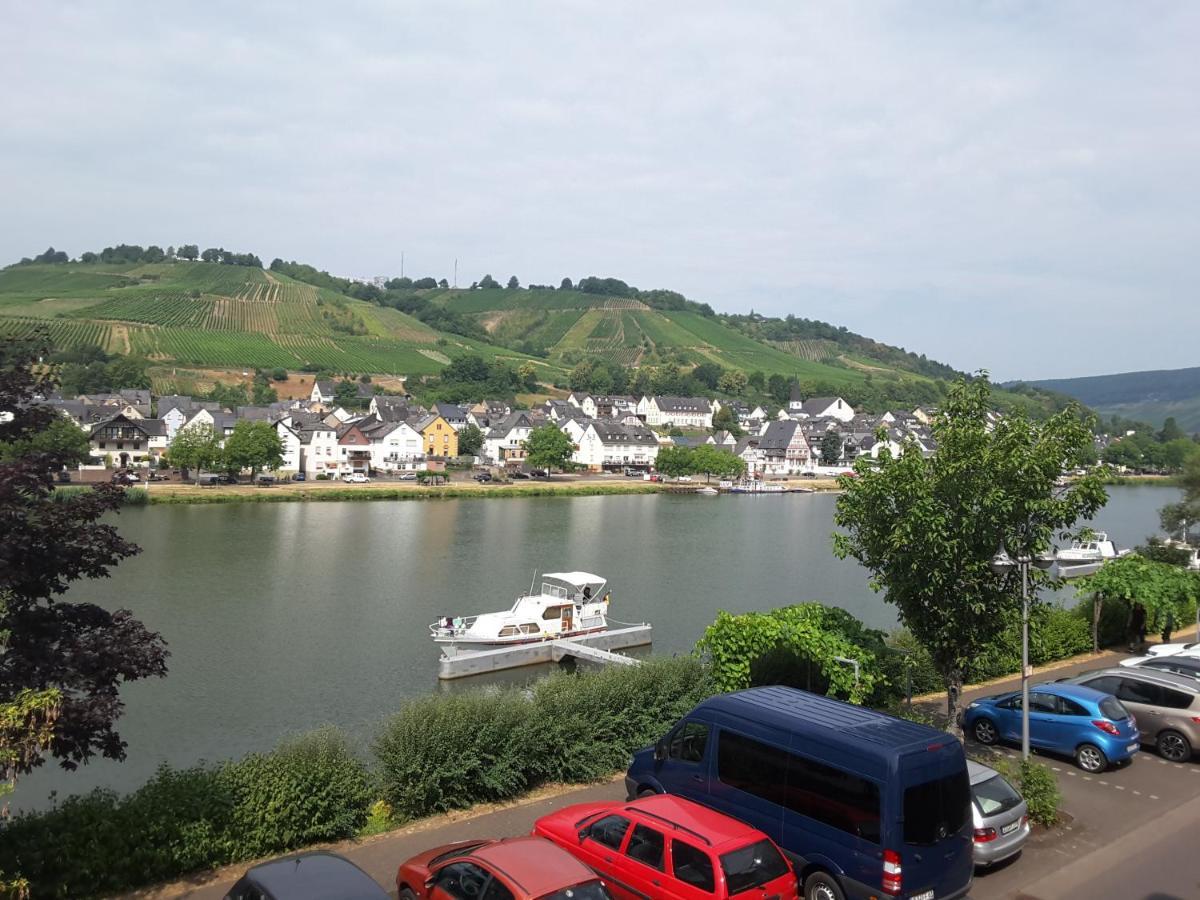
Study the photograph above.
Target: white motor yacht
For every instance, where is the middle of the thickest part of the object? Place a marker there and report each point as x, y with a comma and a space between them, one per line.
1090, 551
567, 604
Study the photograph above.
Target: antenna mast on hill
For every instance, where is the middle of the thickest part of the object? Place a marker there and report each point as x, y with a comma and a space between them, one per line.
401, 263
456, 271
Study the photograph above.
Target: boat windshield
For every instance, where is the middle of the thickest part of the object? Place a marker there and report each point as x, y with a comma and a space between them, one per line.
573, 586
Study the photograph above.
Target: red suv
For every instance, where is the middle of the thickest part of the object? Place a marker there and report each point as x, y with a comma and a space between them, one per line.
526, 868
667, 847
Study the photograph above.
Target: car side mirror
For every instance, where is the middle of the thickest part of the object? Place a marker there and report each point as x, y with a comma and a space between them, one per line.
660, 750
583, 833
430, 881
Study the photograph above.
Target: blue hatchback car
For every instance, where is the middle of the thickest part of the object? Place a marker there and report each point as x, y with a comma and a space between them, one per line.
1070, 719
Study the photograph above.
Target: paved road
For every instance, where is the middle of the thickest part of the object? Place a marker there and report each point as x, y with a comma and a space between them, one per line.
1132, 833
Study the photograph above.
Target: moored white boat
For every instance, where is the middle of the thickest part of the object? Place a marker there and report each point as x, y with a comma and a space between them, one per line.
1092, 551
707, 491
567, 604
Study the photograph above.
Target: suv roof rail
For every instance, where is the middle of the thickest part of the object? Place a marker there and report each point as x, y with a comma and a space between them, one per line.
666, 821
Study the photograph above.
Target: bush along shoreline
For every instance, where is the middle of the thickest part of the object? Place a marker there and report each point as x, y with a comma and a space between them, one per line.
445, 752
439, 753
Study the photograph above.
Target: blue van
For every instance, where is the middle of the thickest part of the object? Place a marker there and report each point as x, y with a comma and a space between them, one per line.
864, 804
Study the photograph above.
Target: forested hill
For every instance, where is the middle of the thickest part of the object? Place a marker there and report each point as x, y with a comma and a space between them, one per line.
1141, 396
216, 309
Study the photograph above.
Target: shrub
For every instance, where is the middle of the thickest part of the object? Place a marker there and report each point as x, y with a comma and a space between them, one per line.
1040, 789
450, 751
309, 789
1057, 633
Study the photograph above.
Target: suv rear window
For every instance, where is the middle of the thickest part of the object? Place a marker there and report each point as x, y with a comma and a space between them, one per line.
994, 796
936, 810
752, 866
1112, 708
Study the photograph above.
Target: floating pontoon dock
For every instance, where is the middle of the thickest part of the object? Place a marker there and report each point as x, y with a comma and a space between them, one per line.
596, 647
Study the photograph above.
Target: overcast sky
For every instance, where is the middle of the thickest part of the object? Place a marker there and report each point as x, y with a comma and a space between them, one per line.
1010, 186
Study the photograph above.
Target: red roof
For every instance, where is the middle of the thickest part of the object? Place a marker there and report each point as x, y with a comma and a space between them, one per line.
720, 829
536, 865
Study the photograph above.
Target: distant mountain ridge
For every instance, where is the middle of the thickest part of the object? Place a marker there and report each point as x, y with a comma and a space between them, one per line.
1149, 396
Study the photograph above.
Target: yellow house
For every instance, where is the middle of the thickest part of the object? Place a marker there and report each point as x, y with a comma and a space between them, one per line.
438, 437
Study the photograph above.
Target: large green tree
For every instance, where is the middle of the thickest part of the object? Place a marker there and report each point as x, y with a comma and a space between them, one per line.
1167, 593
195, 448
831, 448
470, 441
548, 448
674, 461
61, 438
708, 460
253, 446
926, 529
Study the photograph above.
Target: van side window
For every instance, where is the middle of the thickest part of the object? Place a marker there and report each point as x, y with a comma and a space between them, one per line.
689, 742
609, 831
834, 797
750, 766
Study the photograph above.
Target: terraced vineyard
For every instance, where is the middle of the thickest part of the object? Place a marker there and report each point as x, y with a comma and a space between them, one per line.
204, 314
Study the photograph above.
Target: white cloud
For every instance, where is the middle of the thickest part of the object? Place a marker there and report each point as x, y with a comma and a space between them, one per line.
1009, 186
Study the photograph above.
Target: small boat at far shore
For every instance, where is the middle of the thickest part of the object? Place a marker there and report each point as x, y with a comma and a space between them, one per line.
708, 491
568, 604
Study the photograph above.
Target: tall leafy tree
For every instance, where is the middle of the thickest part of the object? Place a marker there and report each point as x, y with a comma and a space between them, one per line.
253, 446
674, 461
195, 448
708, 460
1166, 592
82, 651
470, 441
548, 448
831, 448
926, 529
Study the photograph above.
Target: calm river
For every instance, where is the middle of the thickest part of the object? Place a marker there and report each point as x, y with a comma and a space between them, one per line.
281, 617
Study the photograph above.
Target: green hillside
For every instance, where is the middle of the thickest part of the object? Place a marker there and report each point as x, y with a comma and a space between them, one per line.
207, 314
1151, 396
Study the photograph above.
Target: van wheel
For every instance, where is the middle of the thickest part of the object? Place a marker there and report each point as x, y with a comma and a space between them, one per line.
822, 886
646, 792
1174, 747
1090, 758
406, 893
985, 732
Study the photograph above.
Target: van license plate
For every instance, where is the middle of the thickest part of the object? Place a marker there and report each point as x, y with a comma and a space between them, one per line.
1132, 747
1010, 827
927, 895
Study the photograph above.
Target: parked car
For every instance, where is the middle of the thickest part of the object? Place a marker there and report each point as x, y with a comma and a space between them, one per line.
539, 473
521, 868
208, 480
265, 479
518, 475
1167, 705
299, 476
1184, 663
864, 804
408, 476
1070, 719
482, 477
124, 477
665, 846
1169, 649
357, 478
314, 876
226, 478
62, 476
808, 474
1000, 815
158, 476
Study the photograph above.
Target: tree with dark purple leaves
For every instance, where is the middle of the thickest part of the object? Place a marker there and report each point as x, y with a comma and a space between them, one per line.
80, 650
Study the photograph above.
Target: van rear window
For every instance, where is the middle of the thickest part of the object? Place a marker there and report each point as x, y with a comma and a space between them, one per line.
937, 809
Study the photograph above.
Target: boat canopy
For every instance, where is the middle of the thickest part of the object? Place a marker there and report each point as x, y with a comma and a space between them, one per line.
568, 584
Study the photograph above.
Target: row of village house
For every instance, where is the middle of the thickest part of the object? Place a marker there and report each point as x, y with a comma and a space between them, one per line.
394, 434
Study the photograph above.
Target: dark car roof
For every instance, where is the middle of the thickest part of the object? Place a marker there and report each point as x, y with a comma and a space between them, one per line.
315, 876
874, 733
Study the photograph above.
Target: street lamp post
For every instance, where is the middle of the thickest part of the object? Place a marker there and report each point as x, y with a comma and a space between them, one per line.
1002, 564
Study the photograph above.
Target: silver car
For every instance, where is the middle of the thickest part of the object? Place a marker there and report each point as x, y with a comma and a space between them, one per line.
1000, 814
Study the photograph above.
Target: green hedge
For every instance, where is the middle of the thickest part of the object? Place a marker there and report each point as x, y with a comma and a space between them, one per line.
307, 790
448, 752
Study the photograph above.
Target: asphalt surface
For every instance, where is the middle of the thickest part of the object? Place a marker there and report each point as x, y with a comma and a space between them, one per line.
1130, 834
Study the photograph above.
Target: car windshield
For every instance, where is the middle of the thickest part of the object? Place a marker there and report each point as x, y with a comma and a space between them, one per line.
1112, 708
994, 796
588, 890
936, 810
752, 866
